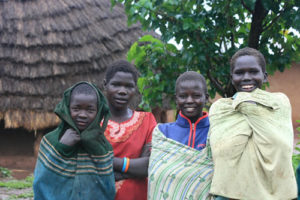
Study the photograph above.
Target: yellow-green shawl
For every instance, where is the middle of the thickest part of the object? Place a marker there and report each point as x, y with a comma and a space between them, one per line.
251, 138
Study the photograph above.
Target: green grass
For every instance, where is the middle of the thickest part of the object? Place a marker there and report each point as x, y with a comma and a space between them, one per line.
18, 184
24, 195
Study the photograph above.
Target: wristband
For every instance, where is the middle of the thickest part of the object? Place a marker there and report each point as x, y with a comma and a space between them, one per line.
124, 164
127, 165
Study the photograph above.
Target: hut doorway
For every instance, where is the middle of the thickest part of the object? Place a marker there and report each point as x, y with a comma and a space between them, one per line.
18, 150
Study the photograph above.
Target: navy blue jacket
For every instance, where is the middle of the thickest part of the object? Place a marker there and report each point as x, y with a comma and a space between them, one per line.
186, 132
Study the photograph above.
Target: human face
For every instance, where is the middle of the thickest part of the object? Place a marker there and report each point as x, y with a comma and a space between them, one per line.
83, 110
120, 90
191, 98
247, 74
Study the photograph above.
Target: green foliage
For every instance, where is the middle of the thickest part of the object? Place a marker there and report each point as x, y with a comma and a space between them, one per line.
4, 172
18, 184
296, 156
210, 32
158, 76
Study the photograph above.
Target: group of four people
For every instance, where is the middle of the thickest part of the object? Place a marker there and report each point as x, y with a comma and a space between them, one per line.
242, 149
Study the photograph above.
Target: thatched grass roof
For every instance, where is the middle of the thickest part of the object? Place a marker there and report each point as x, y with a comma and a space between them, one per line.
46, 46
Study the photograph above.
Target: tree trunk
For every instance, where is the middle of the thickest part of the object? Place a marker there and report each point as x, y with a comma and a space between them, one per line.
256, 30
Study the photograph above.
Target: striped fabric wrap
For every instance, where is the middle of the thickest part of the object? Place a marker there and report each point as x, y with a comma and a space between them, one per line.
83, 176
69, 167
177, 171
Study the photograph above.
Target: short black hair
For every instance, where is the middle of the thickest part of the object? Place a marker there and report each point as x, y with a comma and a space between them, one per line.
121, 66
83, 88
247, 51
191, 76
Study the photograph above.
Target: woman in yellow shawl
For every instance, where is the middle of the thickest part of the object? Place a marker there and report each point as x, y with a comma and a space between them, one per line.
251, 136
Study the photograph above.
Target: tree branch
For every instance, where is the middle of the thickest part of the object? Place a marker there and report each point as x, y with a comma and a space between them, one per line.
225, 44
220, 46
271, 23
268, 25
230, 22
245, 6
232, 40
216, 83
213, 80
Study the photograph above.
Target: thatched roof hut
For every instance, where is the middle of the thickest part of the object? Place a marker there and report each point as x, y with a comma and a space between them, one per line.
46, 46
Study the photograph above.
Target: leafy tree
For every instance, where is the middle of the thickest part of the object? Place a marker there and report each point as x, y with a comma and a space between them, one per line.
210, 32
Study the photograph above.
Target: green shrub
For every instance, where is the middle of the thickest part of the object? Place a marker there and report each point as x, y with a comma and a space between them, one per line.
4, 172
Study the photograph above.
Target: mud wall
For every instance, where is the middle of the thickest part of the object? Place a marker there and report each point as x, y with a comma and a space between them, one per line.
288, 82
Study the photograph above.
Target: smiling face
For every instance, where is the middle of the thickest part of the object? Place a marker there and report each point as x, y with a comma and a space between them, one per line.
247, 74
191, 98
83, 109
120, 90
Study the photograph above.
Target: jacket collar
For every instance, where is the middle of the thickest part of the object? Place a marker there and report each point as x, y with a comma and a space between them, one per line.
185, 122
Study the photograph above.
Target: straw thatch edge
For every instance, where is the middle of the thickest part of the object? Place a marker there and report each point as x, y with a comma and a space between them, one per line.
29, 120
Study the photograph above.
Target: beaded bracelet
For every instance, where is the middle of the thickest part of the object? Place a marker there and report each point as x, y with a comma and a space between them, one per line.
124, 164
127, 165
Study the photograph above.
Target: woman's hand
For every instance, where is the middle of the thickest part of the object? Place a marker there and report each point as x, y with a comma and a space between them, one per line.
70, 137
121, 176
118, 176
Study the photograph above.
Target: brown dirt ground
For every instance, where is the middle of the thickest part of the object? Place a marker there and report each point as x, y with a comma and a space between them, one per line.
16, 154
21, 167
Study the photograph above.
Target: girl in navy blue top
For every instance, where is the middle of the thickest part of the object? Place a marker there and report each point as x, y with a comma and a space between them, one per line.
192, 124
180, 166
